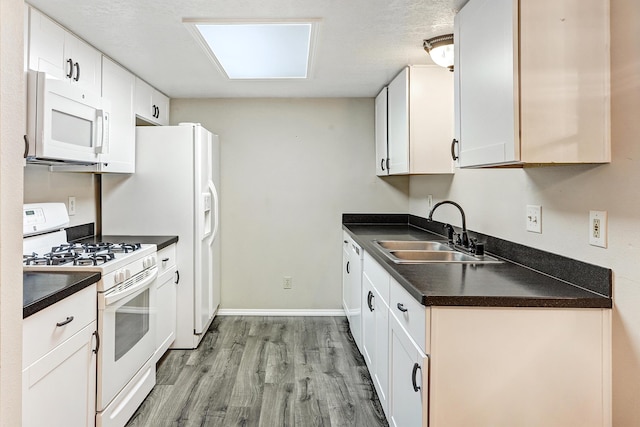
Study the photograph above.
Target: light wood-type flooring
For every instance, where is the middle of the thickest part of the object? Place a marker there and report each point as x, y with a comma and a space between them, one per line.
265, 371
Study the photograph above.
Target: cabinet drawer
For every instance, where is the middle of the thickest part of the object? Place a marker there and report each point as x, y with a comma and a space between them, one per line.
378, 276
410, 314
166, 258
40, 333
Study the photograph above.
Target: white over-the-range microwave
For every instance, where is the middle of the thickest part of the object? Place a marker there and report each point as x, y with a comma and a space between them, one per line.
65, 123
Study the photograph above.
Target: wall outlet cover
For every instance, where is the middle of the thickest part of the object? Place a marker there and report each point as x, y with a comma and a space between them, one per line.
534, 218
598, 228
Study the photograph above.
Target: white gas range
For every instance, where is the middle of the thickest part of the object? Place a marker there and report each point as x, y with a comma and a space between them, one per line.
126, 305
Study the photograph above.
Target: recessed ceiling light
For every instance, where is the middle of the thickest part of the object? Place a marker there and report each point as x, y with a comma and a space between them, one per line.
258, 49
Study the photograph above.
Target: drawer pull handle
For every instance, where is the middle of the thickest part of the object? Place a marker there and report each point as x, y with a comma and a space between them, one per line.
401, 308
369, 298
69, 319
177, 277
165, 259
348, 267
416, 387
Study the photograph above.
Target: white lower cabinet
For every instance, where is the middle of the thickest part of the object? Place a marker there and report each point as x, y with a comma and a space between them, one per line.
166, 293
59, 363
484, 366
375, 326
409, 379
352, 286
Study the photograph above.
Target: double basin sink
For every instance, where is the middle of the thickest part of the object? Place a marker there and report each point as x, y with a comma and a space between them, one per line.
427, 251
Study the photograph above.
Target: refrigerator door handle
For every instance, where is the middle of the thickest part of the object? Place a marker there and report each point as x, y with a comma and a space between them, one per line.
215, 209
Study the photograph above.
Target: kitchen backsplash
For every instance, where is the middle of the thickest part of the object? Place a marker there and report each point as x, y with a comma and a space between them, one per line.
40, 185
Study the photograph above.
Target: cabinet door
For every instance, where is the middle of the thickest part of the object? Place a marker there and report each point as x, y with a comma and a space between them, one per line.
382, 159
398, 124
87, 63
380, 373
409, 379
368, 322
46, 46
59, 389
161, 104
150, 105
486, 72
166, 292
117, 88
346, 268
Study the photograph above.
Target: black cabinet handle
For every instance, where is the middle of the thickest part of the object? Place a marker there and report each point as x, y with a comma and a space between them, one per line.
416, 387
26, 147
387, 164
382, 164
369, 298
401, 308
348, 267
70, 63
77, 67
95, 333
177, 277
66, 321
165, 259
454, 156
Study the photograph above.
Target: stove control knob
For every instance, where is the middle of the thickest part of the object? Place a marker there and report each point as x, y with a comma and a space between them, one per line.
127, 274
118, 276
153, 261
145, 263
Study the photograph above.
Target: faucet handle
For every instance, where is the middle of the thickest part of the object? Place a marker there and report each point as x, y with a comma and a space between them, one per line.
450, 232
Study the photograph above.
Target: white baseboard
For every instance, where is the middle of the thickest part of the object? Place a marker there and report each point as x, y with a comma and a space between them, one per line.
278, 312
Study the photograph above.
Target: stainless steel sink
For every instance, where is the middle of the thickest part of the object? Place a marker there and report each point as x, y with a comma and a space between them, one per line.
419, 252
413, 245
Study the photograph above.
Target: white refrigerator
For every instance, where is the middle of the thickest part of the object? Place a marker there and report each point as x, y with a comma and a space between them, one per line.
175, 191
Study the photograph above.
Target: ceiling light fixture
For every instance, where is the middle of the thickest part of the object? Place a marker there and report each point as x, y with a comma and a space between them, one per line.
251, 49
441, 50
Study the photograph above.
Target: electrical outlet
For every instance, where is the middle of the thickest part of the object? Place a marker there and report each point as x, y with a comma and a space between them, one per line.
429, 202
287, 283
598, 228
72, 205
534, 218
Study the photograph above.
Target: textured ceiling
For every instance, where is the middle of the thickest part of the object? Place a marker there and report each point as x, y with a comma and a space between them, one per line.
361, 44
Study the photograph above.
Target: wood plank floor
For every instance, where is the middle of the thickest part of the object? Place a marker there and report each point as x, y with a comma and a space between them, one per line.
265, 371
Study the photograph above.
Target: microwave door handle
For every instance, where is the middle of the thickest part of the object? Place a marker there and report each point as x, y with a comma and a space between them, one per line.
102, 145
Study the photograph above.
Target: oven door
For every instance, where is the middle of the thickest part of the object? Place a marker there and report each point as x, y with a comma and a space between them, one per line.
126, 323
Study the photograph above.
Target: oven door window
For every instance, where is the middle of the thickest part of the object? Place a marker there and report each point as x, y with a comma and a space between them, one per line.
132, 324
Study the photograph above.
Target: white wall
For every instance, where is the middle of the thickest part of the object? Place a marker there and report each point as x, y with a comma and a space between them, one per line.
290, 168
495, 200
12, 124
40, 185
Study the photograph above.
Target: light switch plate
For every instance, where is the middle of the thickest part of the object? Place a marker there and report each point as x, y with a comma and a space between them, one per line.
534, 218
598, 228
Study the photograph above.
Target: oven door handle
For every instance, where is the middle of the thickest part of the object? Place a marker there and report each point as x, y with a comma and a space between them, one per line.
114, 296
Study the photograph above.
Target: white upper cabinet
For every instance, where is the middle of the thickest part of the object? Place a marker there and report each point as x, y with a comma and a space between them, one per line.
151, 105
62, 55
117, 86
419, 122
382, 159
532, 82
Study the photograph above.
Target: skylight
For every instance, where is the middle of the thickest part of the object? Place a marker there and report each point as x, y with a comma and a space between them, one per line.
258, 50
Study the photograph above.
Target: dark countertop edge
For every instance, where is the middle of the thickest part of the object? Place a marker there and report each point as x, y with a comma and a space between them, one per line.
598, 300
161, 242
55, 297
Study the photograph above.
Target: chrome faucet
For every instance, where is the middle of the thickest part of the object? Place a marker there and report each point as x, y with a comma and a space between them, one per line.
465, 237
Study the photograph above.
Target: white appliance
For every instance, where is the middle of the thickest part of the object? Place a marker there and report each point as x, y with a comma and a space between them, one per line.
65, 123
126, 305
175, 192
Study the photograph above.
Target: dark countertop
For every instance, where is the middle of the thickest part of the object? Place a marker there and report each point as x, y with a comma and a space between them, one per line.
160, 241
40, 290
490, 285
